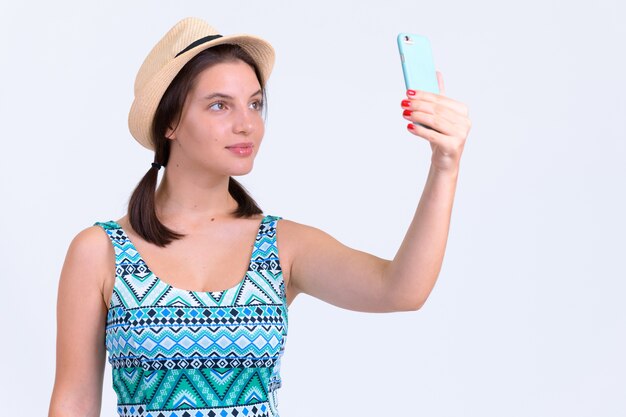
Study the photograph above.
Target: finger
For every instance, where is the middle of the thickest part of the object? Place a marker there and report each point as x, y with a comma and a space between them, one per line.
426, 133
458, 127
439, 99
438, 110
434, 122
442, 89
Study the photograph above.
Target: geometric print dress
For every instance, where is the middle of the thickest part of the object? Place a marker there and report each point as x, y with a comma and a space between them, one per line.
180, 353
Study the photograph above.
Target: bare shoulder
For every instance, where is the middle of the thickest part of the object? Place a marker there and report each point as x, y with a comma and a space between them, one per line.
88, 261
299, 235
292, 227
290, 236
92, 244
294, 238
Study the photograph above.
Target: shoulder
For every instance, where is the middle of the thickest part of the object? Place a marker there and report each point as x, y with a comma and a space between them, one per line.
292, 240
299, 232
92, 241
297, 238
89, 254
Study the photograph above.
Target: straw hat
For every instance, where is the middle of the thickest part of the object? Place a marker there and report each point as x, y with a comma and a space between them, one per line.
183, 41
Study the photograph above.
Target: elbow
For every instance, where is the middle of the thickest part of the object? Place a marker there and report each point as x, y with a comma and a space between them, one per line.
416, 305
56, 410
409, 303
407, 294
412, 299
63, 403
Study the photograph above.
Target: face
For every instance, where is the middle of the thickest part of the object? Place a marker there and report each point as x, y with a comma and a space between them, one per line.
223, 110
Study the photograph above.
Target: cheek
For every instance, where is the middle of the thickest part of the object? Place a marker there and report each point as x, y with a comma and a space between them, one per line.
260, 128
203, 132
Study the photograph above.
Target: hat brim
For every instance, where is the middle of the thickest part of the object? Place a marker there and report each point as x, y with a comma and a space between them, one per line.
147, 100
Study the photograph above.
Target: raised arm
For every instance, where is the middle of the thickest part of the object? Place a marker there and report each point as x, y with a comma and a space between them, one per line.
326, 269
81, 318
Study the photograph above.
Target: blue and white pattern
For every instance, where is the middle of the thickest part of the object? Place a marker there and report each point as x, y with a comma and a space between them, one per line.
179, 353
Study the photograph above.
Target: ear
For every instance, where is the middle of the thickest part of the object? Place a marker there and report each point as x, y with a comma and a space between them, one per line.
170, 133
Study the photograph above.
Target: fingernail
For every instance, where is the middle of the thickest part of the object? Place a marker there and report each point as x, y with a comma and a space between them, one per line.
411, 126
407, 113
411, 92
406, 103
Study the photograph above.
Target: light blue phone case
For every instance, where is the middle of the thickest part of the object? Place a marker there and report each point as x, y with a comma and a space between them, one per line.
418, 65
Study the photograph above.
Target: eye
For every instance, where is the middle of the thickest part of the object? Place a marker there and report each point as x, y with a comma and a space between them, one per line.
257, 105
218, 105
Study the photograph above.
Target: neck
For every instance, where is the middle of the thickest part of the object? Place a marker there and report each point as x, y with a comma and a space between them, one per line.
182, 198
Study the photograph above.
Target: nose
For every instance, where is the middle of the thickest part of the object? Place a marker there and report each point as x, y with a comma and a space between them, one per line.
243, 121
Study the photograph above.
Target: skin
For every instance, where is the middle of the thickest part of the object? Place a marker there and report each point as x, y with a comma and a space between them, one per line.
193, 199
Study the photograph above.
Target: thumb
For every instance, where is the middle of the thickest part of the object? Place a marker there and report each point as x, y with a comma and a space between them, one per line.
442, 89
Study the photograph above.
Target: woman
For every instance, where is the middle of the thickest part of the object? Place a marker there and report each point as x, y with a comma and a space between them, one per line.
161, 289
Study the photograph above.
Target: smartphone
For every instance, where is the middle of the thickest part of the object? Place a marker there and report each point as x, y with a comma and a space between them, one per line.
418, 64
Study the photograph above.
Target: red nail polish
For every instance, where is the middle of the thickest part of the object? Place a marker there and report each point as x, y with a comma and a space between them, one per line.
411, 126
411, 92
406, 103
407, 113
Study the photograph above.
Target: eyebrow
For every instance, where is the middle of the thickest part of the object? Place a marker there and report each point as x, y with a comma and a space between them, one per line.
226, 96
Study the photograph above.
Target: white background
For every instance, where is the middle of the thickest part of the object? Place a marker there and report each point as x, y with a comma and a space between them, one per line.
528, 315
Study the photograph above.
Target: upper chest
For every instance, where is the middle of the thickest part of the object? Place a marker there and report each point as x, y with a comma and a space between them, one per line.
211, 259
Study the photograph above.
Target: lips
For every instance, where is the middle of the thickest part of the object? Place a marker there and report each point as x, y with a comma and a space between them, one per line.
241, 149
241, 145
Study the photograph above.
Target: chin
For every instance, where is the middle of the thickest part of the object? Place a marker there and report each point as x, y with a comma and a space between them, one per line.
241, 171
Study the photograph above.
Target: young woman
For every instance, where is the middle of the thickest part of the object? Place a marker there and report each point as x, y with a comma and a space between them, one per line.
188, 292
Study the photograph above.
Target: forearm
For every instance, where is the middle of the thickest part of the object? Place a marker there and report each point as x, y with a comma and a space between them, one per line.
413, 272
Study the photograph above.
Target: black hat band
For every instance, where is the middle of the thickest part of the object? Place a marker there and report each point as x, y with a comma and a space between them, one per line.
198, 42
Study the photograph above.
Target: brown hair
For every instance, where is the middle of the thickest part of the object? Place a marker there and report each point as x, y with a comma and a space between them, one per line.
141, 207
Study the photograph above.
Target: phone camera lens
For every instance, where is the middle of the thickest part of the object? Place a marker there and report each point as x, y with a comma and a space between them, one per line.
406, 38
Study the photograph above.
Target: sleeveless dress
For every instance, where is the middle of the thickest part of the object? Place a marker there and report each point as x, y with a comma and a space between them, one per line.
179, 353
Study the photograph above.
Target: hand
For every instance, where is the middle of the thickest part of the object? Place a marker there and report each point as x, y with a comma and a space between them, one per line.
447, 120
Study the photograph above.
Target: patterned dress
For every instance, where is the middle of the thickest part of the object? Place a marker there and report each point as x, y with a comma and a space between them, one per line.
179, 353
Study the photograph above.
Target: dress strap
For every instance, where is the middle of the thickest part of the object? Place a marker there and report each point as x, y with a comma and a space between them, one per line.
265, 254
116, 234
265, 259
